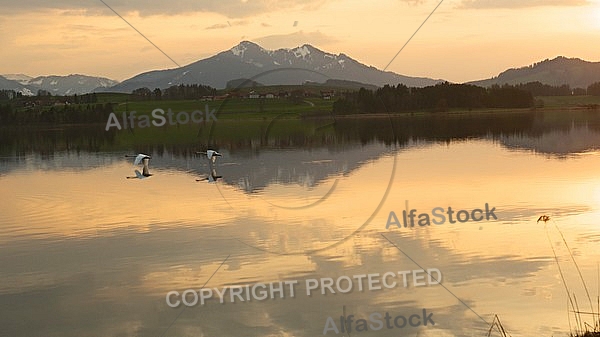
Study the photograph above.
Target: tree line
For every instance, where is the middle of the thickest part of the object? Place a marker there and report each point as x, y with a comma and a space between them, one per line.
440, 97
594, 89
539, 89
181, 91
16, 109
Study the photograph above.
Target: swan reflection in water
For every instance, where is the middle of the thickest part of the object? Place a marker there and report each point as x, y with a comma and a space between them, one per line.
212, 177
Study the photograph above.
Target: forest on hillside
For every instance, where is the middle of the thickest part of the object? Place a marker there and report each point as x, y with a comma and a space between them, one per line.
437, 98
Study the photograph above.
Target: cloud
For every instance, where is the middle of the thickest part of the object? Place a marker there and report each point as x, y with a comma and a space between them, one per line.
228, 24
294, 39
414, 2
218, 26
494, 4
228, 8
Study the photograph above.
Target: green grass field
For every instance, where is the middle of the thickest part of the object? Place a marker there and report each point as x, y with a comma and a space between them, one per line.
233, 108
568, 101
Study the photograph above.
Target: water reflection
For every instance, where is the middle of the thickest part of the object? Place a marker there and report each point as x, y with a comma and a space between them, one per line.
212, 176
561, 143
83, 252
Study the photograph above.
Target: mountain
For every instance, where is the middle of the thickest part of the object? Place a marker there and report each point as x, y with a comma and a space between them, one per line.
56, 85
7, 84
21, 78
70, 84
243, 83
294, 66
269, 67
575, 72
345, 84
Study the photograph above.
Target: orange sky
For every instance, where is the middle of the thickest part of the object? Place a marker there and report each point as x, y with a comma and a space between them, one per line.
463, 40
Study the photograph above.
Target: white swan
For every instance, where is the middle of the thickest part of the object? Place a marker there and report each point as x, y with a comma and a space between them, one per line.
140, 158
211, 154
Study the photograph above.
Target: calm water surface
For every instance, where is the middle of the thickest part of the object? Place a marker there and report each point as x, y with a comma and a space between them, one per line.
86, 252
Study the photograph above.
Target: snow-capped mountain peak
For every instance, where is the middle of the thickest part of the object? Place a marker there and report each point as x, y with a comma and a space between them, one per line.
247, 46
270, 67
21, 78
301, 51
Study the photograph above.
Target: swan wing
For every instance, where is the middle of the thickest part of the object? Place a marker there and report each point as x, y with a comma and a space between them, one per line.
140, 157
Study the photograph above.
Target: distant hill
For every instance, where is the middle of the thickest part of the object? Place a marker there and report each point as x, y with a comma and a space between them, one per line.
575, 72
344, 84
70, 84
56, 85
242, 83
269, 67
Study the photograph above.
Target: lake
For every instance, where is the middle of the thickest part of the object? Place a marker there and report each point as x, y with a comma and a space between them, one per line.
305, 202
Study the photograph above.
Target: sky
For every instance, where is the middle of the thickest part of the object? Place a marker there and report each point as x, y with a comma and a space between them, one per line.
463, 40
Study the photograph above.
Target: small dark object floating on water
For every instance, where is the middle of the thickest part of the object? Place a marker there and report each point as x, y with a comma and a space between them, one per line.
543, 218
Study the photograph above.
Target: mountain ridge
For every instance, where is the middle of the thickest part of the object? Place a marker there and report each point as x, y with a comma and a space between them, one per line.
60, 85
281, 66
575, 72
292, 66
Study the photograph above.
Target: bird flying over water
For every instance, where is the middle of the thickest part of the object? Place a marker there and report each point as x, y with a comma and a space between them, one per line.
138, 158
144, 159
211, 154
